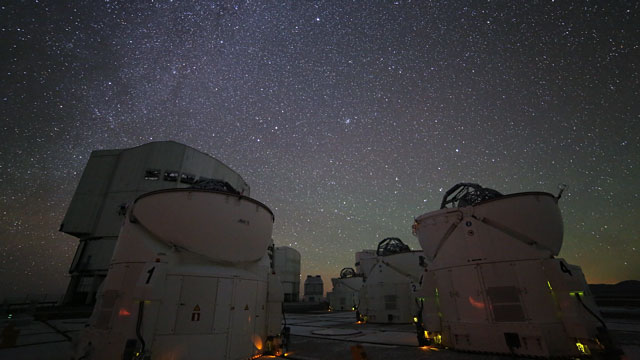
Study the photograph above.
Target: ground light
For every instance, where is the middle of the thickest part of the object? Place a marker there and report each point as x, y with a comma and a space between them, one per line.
584, 349
429, 348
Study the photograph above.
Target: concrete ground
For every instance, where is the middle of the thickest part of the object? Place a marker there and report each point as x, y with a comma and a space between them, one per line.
49, 340
314, 336
331, 336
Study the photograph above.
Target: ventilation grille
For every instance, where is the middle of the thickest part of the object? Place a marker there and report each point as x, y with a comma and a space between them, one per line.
390, 302
109, 298
506, 305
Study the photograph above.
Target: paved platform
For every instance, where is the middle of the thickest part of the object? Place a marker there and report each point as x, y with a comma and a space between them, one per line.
341, 326
314, 336
331, 336
49, 340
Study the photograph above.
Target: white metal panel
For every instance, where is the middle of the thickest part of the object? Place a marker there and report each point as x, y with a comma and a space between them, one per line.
151, 281
503, 291
85, 206
537, 298
365, 261
446, 295
191, 347
434, 229
96, 254
242, 318
286, 262
219, 226
111, 214
531, 216
260, 306
566, 281
431, 311
470, 299
224, 303
196, 307
170, 305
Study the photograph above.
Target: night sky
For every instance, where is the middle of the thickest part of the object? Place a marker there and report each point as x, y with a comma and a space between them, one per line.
348, 119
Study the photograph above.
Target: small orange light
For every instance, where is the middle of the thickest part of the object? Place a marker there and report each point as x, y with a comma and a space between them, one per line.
257, 341
124, 312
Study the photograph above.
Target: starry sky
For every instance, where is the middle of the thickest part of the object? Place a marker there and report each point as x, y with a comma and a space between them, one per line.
347, 118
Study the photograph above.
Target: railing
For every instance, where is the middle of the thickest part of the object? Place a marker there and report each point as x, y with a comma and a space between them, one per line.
29, 303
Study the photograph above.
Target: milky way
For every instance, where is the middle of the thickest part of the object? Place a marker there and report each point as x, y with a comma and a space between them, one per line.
348, 119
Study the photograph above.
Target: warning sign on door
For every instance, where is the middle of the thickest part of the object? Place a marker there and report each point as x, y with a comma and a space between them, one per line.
195, 315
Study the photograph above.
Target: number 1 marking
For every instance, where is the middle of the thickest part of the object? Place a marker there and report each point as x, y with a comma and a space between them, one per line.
150, 272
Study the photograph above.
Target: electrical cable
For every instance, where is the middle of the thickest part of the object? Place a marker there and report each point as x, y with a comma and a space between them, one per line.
284, 318
422, 341
139, 325
285, 330
611, 352
591, 312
